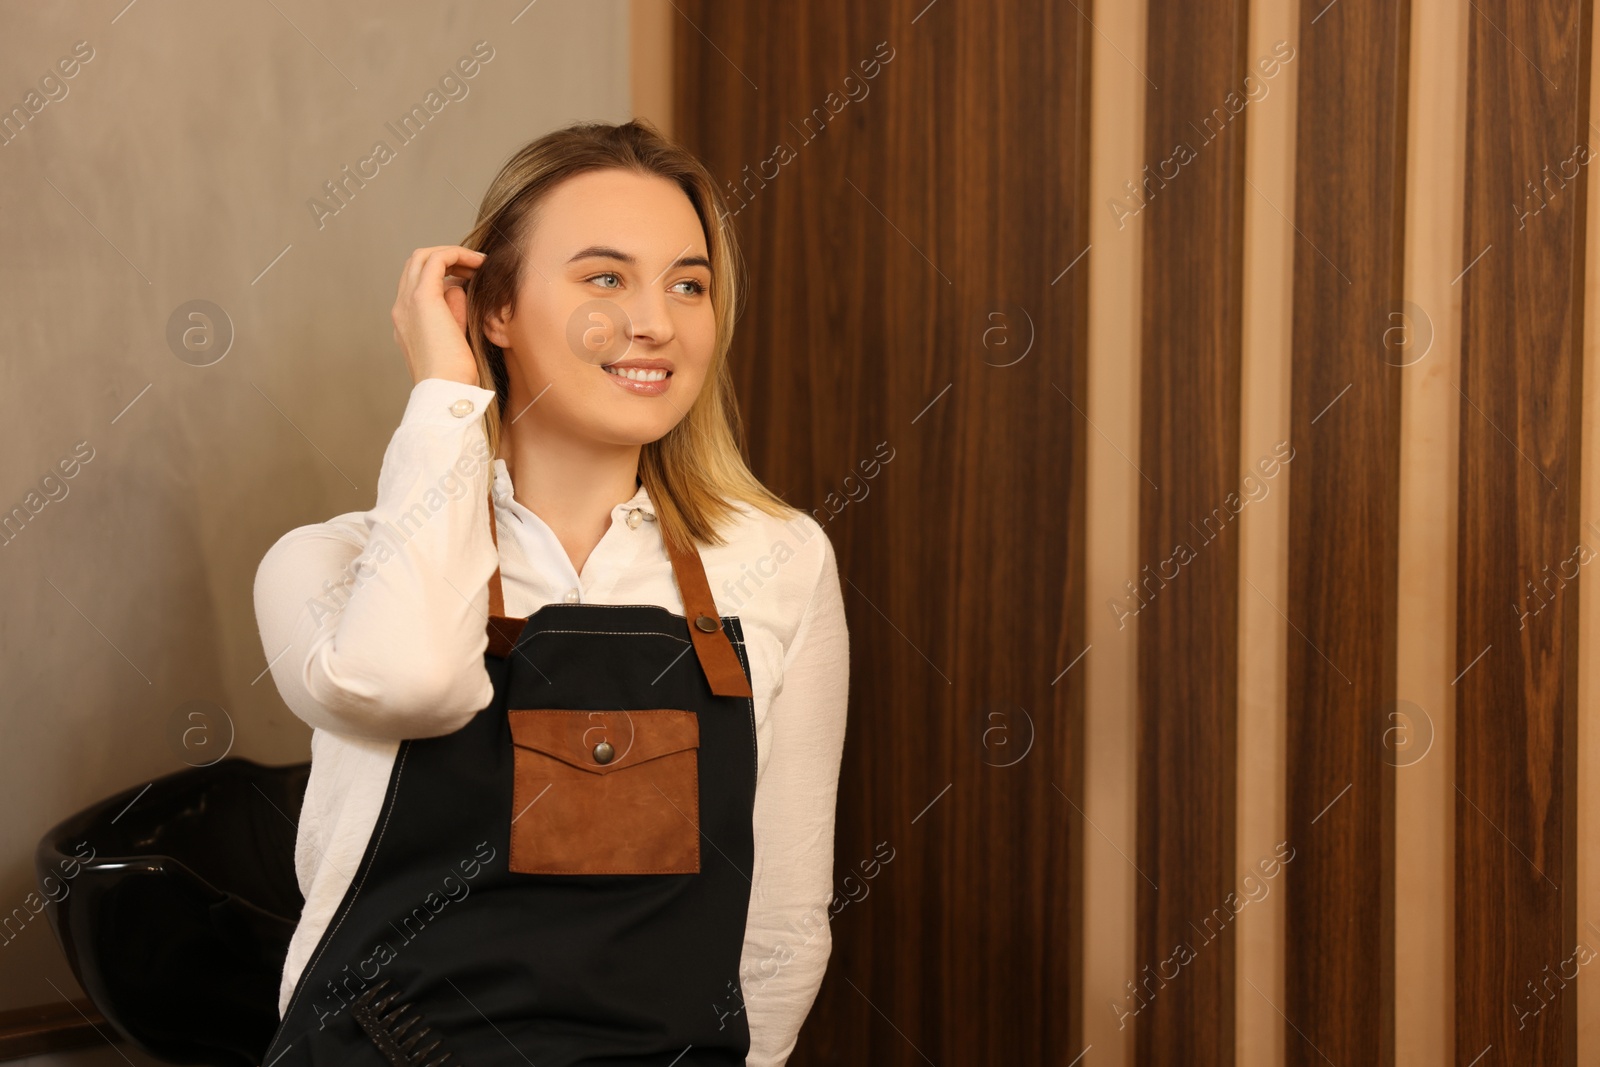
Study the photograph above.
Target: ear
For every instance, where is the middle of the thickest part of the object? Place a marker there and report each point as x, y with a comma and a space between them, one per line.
494, 326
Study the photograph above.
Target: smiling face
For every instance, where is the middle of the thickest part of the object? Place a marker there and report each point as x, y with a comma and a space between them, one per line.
615, 276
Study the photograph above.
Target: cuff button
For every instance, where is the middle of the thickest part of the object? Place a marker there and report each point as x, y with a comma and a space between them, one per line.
461, 408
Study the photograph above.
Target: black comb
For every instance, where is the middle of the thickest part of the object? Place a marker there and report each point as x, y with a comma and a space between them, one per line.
387, 1028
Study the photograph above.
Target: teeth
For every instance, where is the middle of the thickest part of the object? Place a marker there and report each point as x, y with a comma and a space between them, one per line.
636, 375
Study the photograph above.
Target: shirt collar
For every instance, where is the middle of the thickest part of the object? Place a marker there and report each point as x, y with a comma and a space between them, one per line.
641, 500
502, 490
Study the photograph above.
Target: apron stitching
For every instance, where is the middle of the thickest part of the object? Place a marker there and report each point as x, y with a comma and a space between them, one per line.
563, 604
735, 635
614, 633
344, 912
755, 754
627, 633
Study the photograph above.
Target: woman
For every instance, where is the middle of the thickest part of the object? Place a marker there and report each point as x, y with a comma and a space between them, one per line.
577, 680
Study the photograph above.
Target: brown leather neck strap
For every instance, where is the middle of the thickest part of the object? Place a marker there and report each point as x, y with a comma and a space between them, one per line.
503, 631
711, 643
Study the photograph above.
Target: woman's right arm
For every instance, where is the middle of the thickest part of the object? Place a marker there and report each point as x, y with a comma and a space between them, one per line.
374, 623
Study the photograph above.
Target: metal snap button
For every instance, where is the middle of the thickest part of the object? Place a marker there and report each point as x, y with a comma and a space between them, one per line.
603, 752
706, 623
461, 408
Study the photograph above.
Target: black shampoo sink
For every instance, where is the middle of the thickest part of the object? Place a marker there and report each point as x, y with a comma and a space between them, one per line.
174, 904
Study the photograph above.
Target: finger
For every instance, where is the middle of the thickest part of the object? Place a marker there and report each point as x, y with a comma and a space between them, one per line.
460, 261
456, 299
446, 262
436, 261
405, 276
412, 270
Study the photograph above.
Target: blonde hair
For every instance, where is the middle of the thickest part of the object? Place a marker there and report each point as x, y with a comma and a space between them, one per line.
694, 472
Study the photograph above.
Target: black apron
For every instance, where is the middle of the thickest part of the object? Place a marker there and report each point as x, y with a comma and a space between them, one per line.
578, 897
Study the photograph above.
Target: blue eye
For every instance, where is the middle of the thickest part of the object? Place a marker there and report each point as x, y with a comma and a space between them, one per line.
698, 288
608, 274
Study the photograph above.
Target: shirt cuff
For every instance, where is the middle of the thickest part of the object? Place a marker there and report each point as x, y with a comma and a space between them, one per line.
442, 402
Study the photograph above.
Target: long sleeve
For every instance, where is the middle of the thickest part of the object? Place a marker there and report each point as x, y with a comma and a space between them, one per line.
373, 623
787, 932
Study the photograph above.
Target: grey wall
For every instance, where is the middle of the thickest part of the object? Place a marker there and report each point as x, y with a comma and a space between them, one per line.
176, 166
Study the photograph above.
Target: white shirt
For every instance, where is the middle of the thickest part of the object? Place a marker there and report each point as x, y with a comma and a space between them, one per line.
373, 623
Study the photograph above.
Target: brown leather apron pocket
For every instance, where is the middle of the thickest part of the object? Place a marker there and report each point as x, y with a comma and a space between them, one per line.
605, 792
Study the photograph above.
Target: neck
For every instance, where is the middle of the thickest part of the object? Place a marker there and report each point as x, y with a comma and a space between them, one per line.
570, 483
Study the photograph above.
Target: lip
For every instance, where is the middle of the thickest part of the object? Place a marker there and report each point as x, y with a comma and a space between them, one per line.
643, 364
641, 388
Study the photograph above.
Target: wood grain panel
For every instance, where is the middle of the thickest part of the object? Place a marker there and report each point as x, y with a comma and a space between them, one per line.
1522, 330
1350, 334
1191, 199
917, 292
1425, 792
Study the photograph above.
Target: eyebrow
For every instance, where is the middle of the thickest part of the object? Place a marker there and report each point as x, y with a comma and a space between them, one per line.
607, 252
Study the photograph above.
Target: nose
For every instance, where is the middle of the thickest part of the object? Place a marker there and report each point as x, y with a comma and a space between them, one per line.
649, 318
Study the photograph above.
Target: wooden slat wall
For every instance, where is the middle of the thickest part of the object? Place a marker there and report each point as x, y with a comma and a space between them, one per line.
1266, 370
1522, 318
955, 190
1349, 324
1189, 453
919, 281
1425, 792
1110, 881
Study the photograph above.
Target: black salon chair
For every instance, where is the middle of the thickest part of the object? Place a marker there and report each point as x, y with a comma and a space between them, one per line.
178, 924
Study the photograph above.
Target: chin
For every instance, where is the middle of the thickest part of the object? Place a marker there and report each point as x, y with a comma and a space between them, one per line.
633, 431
